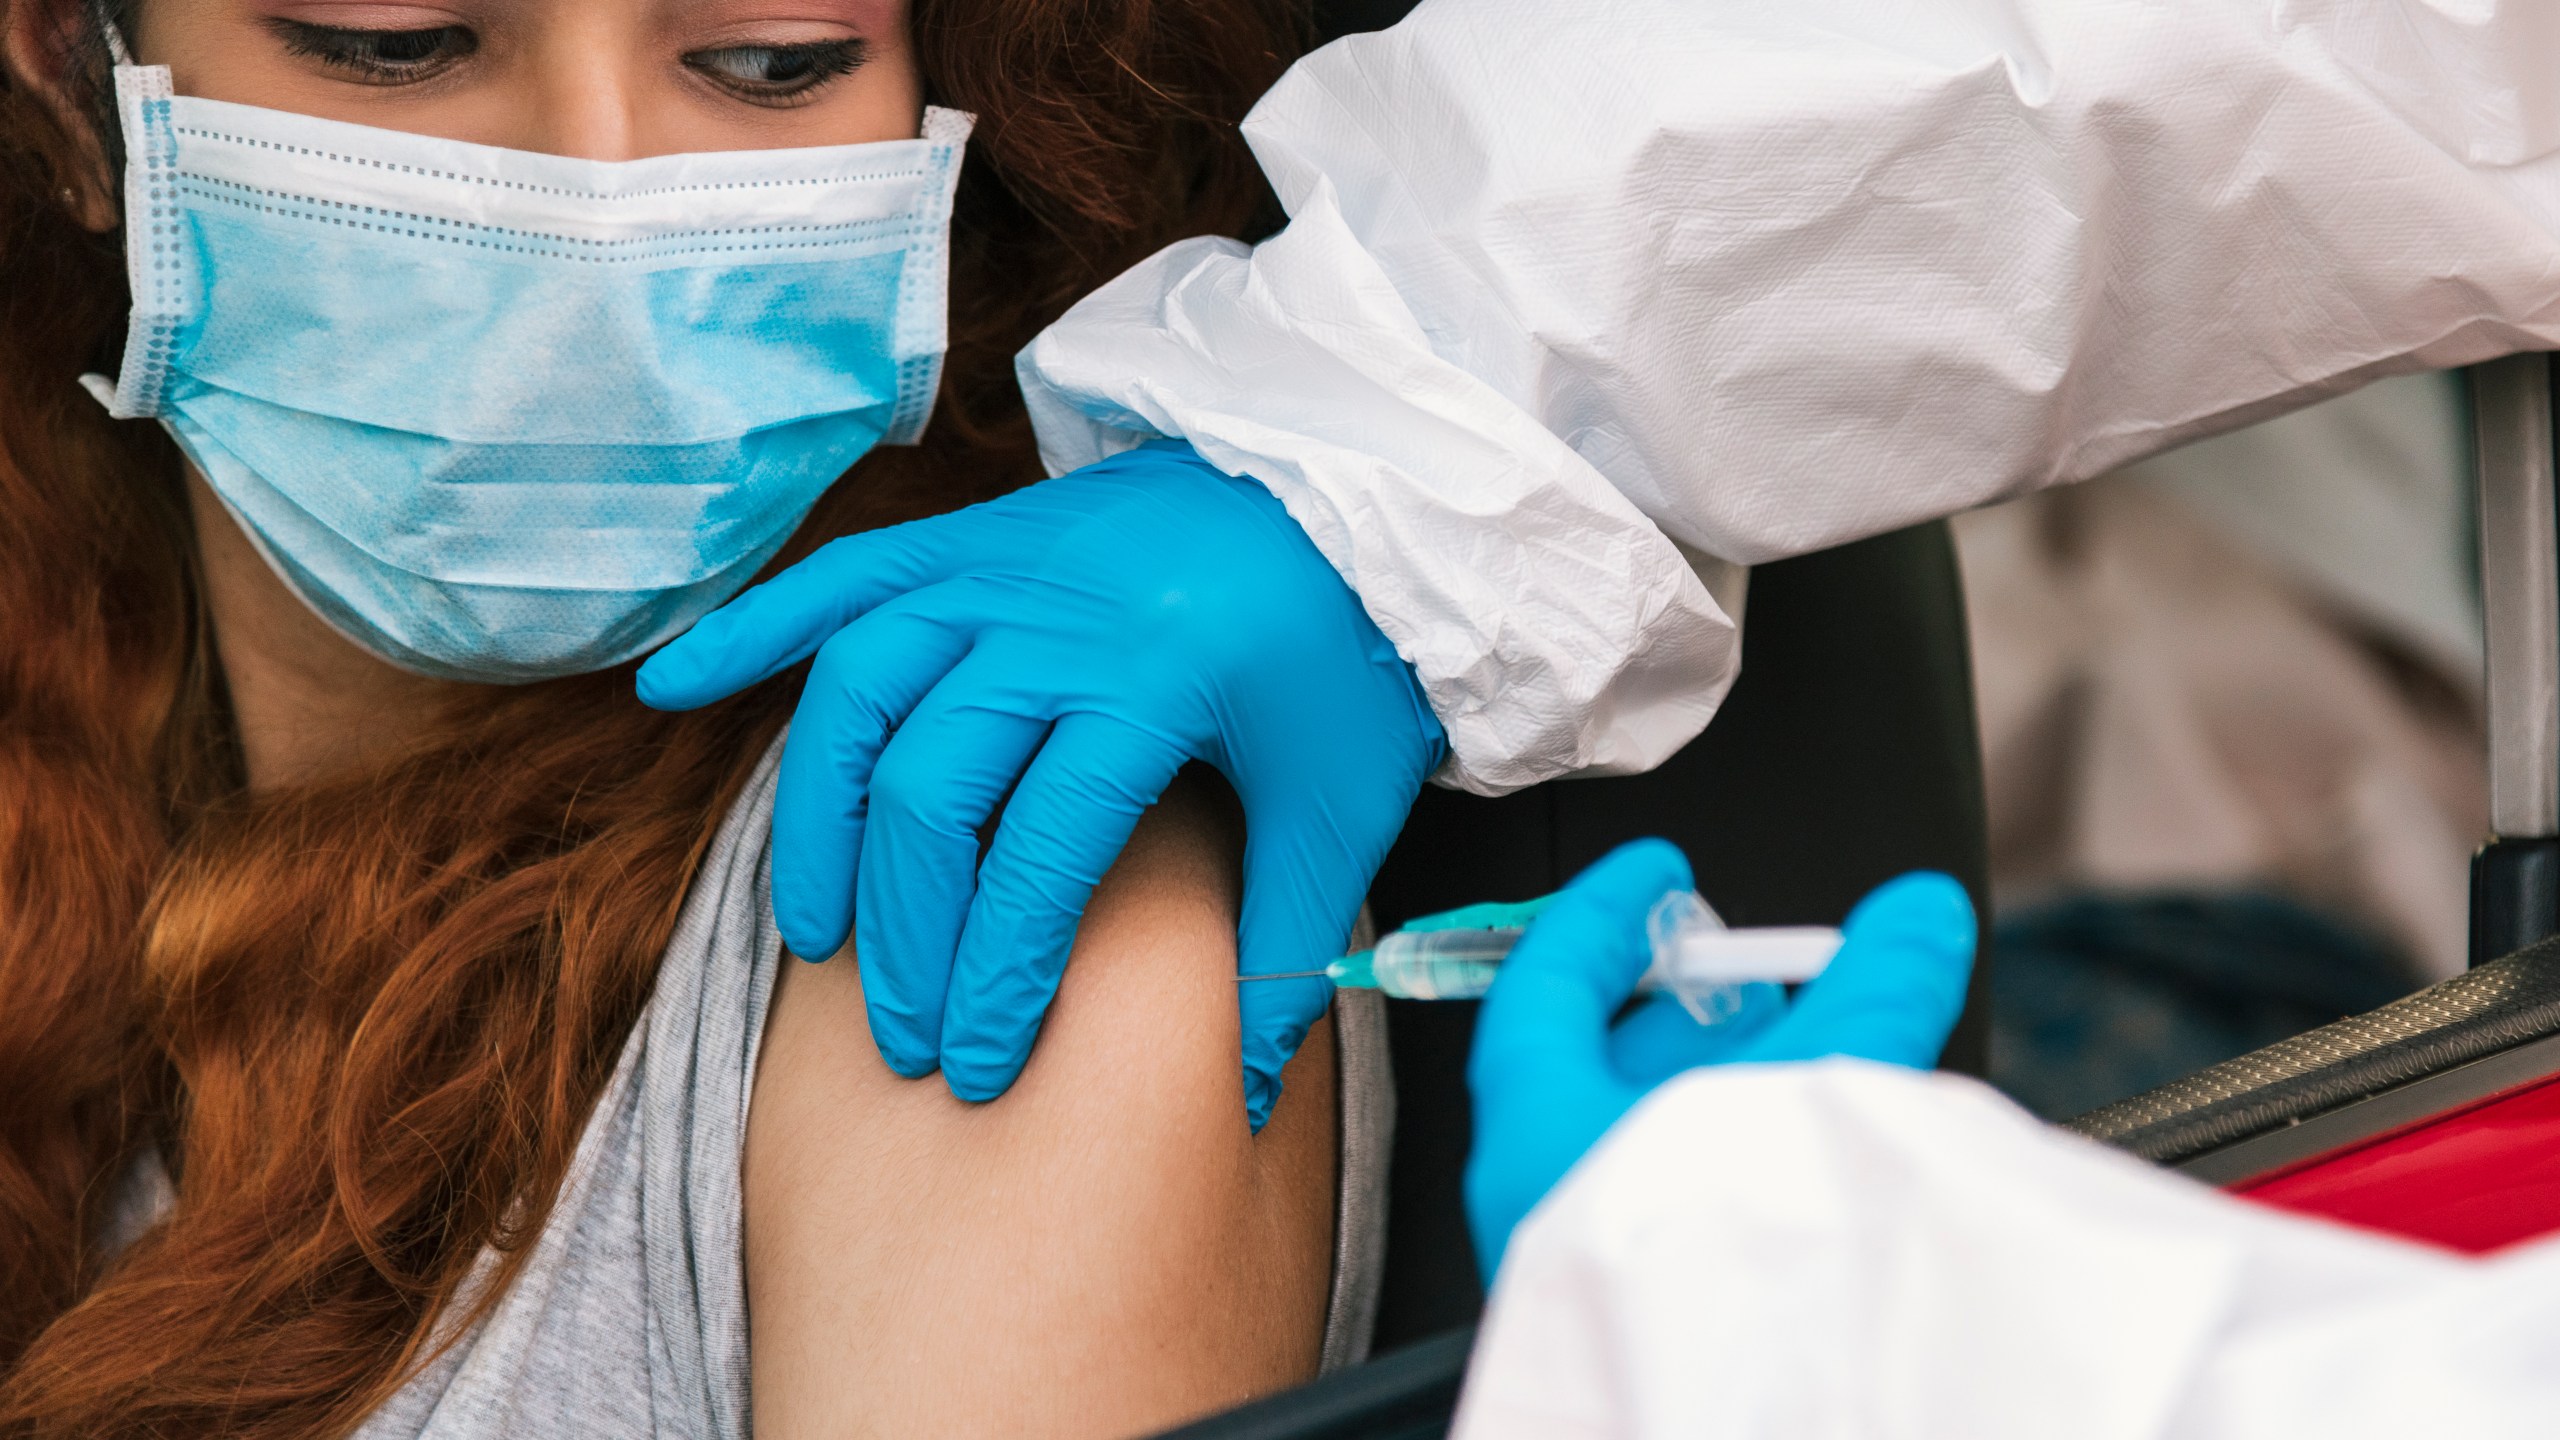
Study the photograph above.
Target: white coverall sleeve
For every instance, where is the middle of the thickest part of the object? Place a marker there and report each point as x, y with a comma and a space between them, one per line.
1568, 286
1847, 1249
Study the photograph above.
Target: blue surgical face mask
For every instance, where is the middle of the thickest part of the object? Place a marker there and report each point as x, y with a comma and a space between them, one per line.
501, 416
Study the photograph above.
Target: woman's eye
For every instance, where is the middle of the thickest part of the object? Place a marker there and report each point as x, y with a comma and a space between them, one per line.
380, 57
769, 74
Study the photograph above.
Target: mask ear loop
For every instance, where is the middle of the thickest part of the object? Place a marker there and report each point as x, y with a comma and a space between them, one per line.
114, 34
138, 376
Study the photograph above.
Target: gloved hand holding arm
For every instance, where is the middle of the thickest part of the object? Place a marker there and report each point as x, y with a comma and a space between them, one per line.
1574, 296
1061, 652
1550, 1074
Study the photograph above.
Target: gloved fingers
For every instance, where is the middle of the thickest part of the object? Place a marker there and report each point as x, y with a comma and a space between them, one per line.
1542, 1073
1273, 1018
775, 625
1546, 1021
1893, 992
867, 678
1303, 882
1066, 823
939, 778
1660, 1038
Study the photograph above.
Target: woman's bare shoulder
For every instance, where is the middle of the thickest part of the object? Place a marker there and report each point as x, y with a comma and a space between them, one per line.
1104, 1250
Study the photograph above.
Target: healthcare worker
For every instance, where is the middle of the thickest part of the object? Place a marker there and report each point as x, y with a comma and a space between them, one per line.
1581, 308
1848, 1247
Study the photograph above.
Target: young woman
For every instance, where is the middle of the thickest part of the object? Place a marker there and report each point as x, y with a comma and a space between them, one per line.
376, 1044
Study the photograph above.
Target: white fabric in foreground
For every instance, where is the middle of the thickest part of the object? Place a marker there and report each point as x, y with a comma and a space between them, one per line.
1783, 273
1843, 1249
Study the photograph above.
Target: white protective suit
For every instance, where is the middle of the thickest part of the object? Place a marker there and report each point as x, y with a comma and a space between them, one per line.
1845, 1249
1569, 290
1581, 301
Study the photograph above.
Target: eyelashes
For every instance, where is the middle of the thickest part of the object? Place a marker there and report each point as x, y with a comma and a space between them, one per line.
769, 75
777, 74
379, 57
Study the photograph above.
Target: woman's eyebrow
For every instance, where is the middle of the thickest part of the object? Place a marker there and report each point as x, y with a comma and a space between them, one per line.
870, 17
363, 14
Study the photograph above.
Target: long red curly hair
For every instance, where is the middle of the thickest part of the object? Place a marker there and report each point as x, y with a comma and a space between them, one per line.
363, 1021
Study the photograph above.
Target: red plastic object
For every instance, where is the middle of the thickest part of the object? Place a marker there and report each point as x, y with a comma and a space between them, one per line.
2474, 1179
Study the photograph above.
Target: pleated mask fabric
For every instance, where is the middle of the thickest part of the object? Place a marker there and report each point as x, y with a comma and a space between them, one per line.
501, 416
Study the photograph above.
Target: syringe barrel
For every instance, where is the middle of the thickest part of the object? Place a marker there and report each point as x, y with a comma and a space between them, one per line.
1441, 964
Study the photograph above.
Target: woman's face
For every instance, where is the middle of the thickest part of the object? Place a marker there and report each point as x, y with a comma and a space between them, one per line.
594, 79
597, 79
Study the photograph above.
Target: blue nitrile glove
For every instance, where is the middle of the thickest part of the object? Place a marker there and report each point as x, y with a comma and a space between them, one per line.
1550, 1074
1071, 645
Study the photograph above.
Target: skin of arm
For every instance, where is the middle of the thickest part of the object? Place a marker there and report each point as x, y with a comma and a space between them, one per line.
1105, 1250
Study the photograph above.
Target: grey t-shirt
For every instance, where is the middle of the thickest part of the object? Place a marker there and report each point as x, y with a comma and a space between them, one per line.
629, 1316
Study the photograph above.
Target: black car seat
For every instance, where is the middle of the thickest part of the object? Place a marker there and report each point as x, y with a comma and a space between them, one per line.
1846, 755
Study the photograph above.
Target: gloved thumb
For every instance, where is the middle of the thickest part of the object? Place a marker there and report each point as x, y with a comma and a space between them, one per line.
1546, 1022
1893, 992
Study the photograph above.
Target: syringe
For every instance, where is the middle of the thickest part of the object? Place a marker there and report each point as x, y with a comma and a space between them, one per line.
1455, 955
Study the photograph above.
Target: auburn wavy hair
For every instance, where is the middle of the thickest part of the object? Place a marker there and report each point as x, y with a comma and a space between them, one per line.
363, 1021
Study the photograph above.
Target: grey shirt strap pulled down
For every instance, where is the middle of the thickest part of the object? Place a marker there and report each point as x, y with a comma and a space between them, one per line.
629, 1317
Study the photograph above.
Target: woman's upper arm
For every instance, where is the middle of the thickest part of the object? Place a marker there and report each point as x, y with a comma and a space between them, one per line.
1104, 1250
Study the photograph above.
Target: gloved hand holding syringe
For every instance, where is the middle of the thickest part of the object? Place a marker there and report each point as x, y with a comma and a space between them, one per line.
1455, 955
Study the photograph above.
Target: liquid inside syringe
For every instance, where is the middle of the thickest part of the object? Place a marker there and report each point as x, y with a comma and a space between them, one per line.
1455, 956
